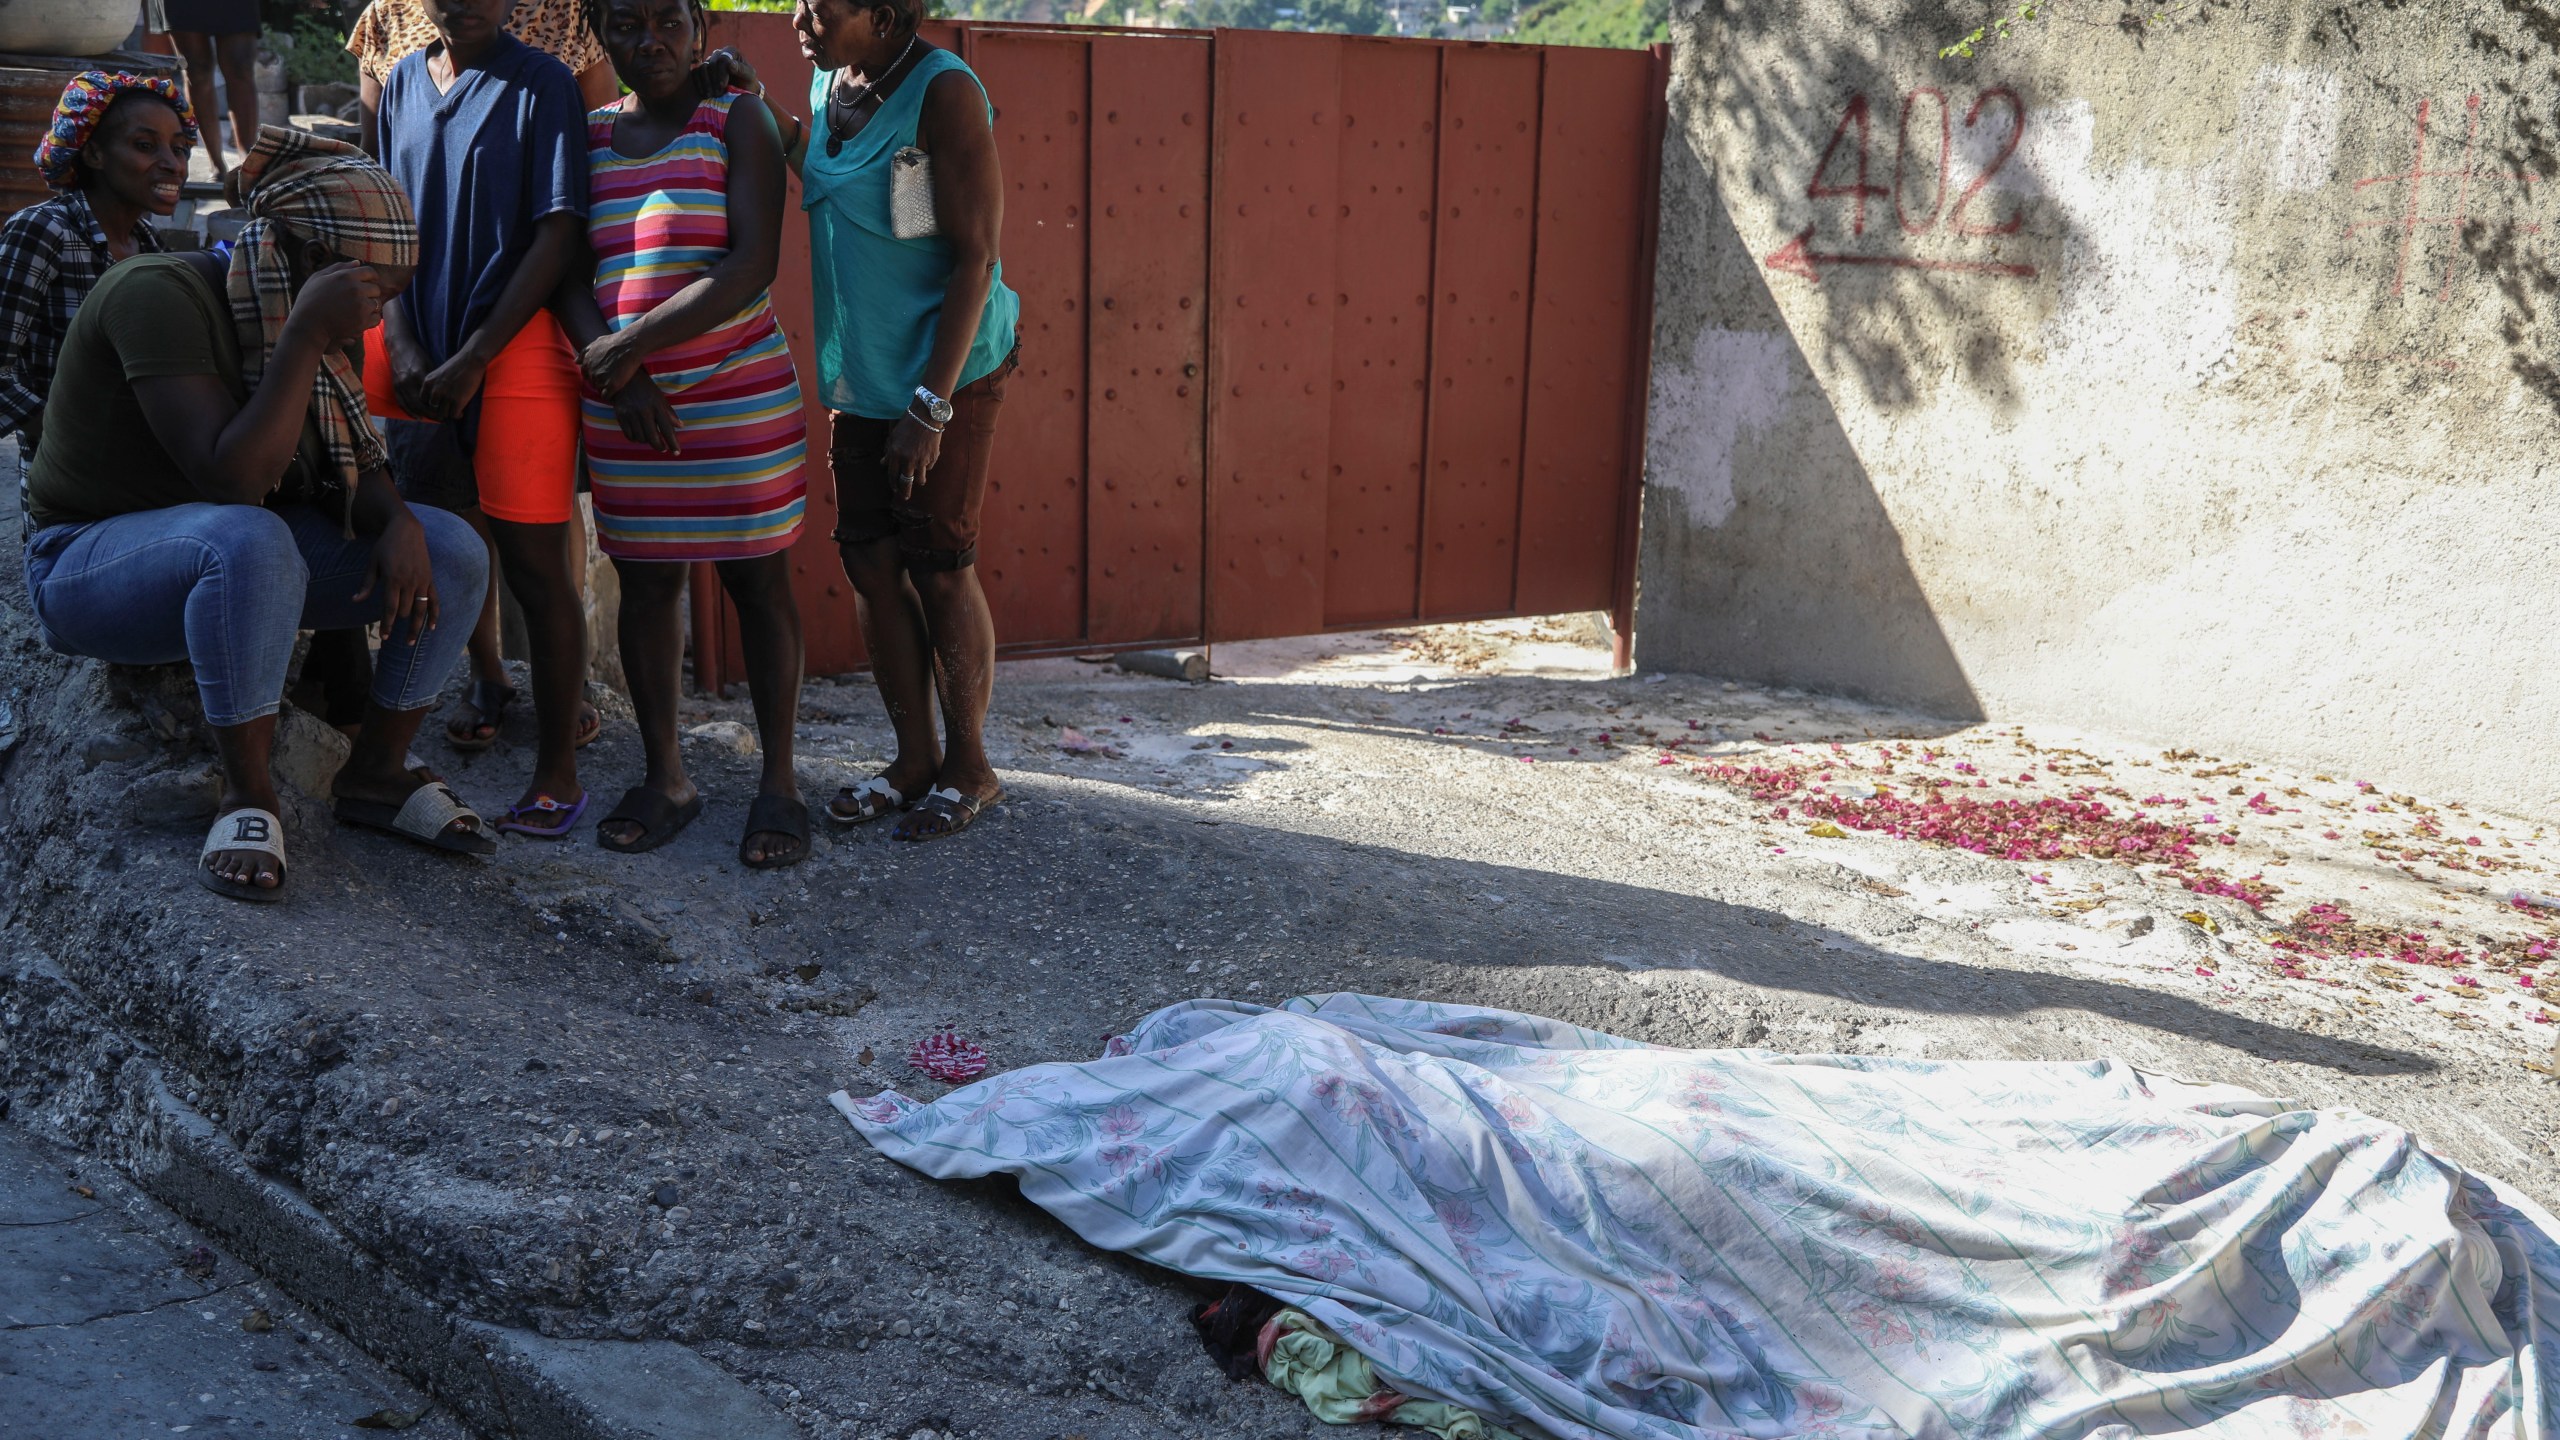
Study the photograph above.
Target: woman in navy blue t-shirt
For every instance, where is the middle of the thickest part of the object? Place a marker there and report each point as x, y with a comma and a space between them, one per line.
488, 137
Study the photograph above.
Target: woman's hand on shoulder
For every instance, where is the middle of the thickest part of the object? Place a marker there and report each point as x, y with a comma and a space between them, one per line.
724, 70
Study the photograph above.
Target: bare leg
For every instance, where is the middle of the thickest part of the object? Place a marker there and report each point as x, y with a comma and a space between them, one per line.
488, 659
964, 653
488, 665
238, 57
197, 51
893, 629
769, 629
535, 559
650, 627
248, 782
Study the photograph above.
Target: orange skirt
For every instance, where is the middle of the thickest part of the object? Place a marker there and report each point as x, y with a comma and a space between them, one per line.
526, 459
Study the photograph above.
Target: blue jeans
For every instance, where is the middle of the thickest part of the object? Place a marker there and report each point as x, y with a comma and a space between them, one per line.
227, 586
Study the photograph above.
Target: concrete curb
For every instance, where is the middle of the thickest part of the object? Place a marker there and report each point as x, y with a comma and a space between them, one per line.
505, 1383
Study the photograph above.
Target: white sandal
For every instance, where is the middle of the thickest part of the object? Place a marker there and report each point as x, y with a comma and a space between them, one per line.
872, 799
427, 816
247, 828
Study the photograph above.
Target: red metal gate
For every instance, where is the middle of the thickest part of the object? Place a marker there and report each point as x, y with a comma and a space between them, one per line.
1318, 332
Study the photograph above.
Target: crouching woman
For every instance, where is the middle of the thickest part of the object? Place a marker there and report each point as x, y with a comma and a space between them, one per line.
209, 484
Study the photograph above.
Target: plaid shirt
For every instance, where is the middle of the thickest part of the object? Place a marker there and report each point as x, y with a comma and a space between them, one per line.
51, 256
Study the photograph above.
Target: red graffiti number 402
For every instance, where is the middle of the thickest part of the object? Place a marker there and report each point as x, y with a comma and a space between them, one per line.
1837, 177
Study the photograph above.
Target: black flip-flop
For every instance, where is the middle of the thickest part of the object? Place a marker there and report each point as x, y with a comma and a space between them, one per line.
659, 818
489, 701
776, 815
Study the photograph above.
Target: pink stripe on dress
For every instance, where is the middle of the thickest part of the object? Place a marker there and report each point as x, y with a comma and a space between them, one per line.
739, 489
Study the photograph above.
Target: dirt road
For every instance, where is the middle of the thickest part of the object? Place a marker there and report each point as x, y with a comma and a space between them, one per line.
586, 1093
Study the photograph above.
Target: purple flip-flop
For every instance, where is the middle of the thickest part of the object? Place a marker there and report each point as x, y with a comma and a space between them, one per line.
544, 805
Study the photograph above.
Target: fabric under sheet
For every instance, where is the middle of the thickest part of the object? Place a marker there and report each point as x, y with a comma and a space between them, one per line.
1582, 1235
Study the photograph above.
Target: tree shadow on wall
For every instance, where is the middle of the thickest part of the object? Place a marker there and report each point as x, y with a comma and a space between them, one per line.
1847, 242
1919, 173
1889, 182
2511, 253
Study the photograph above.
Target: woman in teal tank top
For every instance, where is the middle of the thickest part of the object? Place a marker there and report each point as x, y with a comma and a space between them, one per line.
915, 341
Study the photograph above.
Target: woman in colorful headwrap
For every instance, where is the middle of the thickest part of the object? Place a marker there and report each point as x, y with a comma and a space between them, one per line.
209, 485
116, 153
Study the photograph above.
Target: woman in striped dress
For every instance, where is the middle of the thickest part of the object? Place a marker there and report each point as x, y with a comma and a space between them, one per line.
696, 442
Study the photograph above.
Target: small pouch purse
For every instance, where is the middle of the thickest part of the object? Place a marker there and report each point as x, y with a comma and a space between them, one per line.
911, 214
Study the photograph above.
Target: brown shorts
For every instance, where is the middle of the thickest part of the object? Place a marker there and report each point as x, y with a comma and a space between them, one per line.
936, 526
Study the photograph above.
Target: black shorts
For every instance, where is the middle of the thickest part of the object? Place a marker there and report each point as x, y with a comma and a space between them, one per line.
936, 526
210, 17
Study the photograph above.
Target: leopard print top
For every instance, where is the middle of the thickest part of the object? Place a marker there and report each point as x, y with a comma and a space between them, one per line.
389, 30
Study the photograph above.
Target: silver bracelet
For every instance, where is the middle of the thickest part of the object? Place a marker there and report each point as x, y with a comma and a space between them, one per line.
929, 425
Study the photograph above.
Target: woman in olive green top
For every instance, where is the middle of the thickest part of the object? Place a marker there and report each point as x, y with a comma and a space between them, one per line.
209, 485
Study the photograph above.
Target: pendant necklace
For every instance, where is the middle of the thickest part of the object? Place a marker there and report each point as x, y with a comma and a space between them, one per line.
840, 111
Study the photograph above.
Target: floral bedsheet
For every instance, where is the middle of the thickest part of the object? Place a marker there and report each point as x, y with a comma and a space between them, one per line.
1583, 1235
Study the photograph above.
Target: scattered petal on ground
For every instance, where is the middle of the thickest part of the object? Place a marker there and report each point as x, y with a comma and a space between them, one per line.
946, 1057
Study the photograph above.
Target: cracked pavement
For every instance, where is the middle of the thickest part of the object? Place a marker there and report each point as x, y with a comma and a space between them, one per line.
117, 1321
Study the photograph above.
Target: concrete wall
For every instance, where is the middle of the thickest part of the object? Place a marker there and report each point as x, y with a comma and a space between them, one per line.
2202, 420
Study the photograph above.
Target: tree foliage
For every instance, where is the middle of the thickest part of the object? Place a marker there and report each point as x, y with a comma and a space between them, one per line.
1613, 24
2132, 17
1997, 29
1329, 17
1616, 24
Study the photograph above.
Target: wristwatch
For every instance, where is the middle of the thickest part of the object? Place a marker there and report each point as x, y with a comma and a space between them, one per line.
936, 409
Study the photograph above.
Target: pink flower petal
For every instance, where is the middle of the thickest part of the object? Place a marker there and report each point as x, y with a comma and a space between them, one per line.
946, 1057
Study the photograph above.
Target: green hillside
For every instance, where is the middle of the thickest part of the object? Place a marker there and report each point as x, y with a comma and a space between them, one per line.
1614, 24
1617, 24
